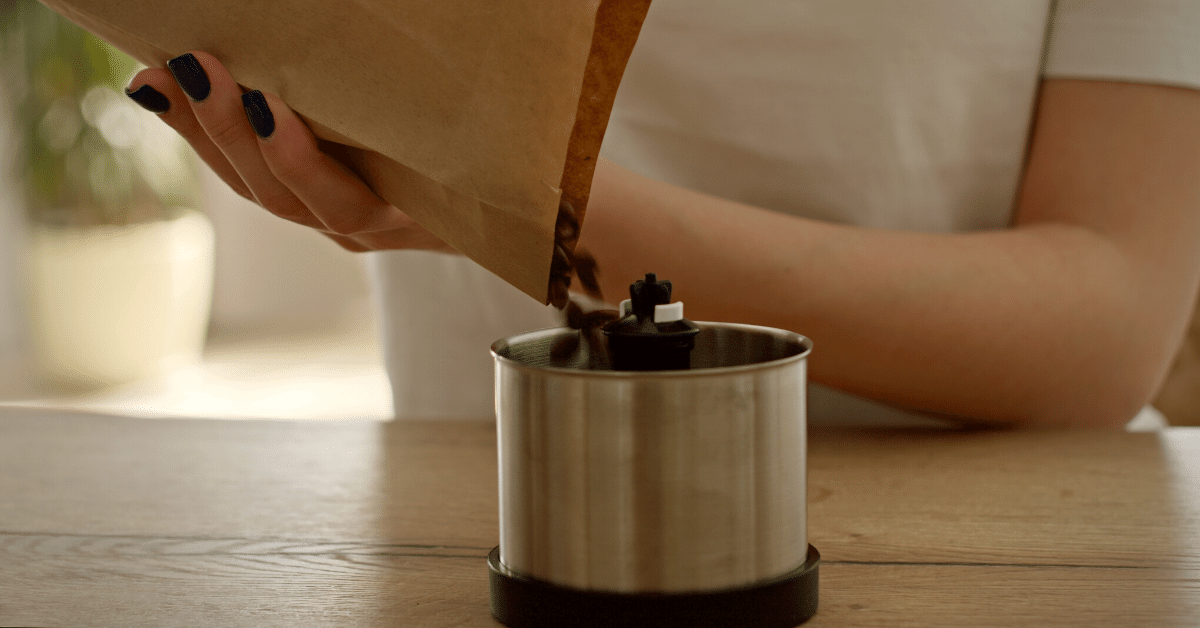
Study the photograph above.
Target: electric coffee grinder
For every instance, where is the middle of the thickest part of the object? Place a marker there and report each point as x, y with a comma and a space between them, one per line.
654, 476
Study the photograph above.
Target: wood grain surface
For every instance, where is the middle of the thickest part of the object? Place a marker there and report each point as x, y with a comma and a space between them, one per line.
108, 521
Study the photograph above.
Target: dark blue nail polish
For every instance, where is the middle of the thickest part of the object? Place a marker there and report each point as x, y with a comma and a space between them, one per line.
149, 98
259, 113
190, 76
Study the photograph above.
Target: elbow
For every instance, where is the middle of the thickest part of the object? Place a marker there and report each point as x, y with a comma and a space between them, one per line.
1104, 405
1109, 367
1107, 395
1093, 405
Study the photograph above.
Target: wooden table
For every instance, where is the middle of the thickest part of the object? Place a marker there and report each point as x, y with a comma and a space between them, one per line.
108, 521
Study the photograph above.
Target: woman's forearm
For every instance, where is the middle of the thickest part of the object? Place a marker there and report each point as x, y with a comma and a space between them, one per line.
1072, 316
1027, 325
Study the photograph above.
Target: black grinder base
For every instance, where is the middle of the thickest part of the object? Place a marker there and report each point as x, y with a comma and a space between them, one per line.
522, 602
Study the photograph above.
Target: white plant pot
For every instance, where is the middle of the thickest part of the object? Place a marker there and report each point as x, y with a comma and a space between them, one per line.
115, 304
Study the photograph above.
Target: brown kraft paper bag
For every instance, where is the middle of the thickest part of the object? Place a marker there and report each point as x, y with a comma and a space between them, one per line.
476, 119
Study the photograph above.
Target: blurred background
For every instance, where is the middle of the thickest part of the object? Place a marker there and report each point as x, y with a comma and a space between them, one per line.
134, 281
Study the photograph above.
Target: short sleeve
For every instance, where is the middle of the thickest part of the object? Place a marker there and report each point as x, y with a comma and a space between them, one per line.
1145, 41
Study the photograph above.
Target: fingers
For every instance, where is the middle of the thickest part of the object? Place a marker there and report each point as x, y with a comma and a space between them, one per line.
156, 90
215, 100
334, 194
258, 145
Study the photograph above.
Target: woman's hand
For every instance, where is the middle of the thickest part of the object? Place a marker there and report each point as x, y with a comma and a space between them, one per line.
266, 153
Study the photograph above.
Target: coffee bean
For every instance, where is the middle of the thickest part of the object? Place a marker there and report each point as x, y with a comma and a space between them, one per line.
588, 273
563, 260
560, 297
584, 266
566, 227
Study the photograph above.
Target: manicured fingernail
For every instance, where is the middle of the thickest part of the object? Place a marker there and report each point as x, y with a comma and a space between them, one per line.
149, 98
259, 113
190, 76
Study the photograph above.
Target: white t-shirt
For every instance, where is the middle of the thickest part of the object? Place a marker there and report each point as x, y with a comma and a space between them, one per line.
906, 115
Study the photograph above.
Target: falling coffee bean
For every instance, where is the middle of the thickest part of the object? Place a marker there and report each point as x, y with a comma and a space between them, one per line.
587, 331
584, 266
566, 225
559, 293
586, 270
566, 230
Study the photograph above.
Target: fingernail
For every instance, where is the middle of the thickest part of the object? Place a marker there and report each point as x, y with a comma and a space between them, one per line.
259, 113
149, 98
190, 76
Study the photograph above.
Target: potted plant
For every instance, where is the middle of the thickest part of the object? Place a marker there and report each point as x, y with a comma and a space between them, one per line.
119, 267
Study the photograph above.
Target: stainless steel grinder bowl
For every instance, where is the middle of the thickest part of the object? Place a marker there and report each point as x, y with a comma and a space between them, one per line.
654, 497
